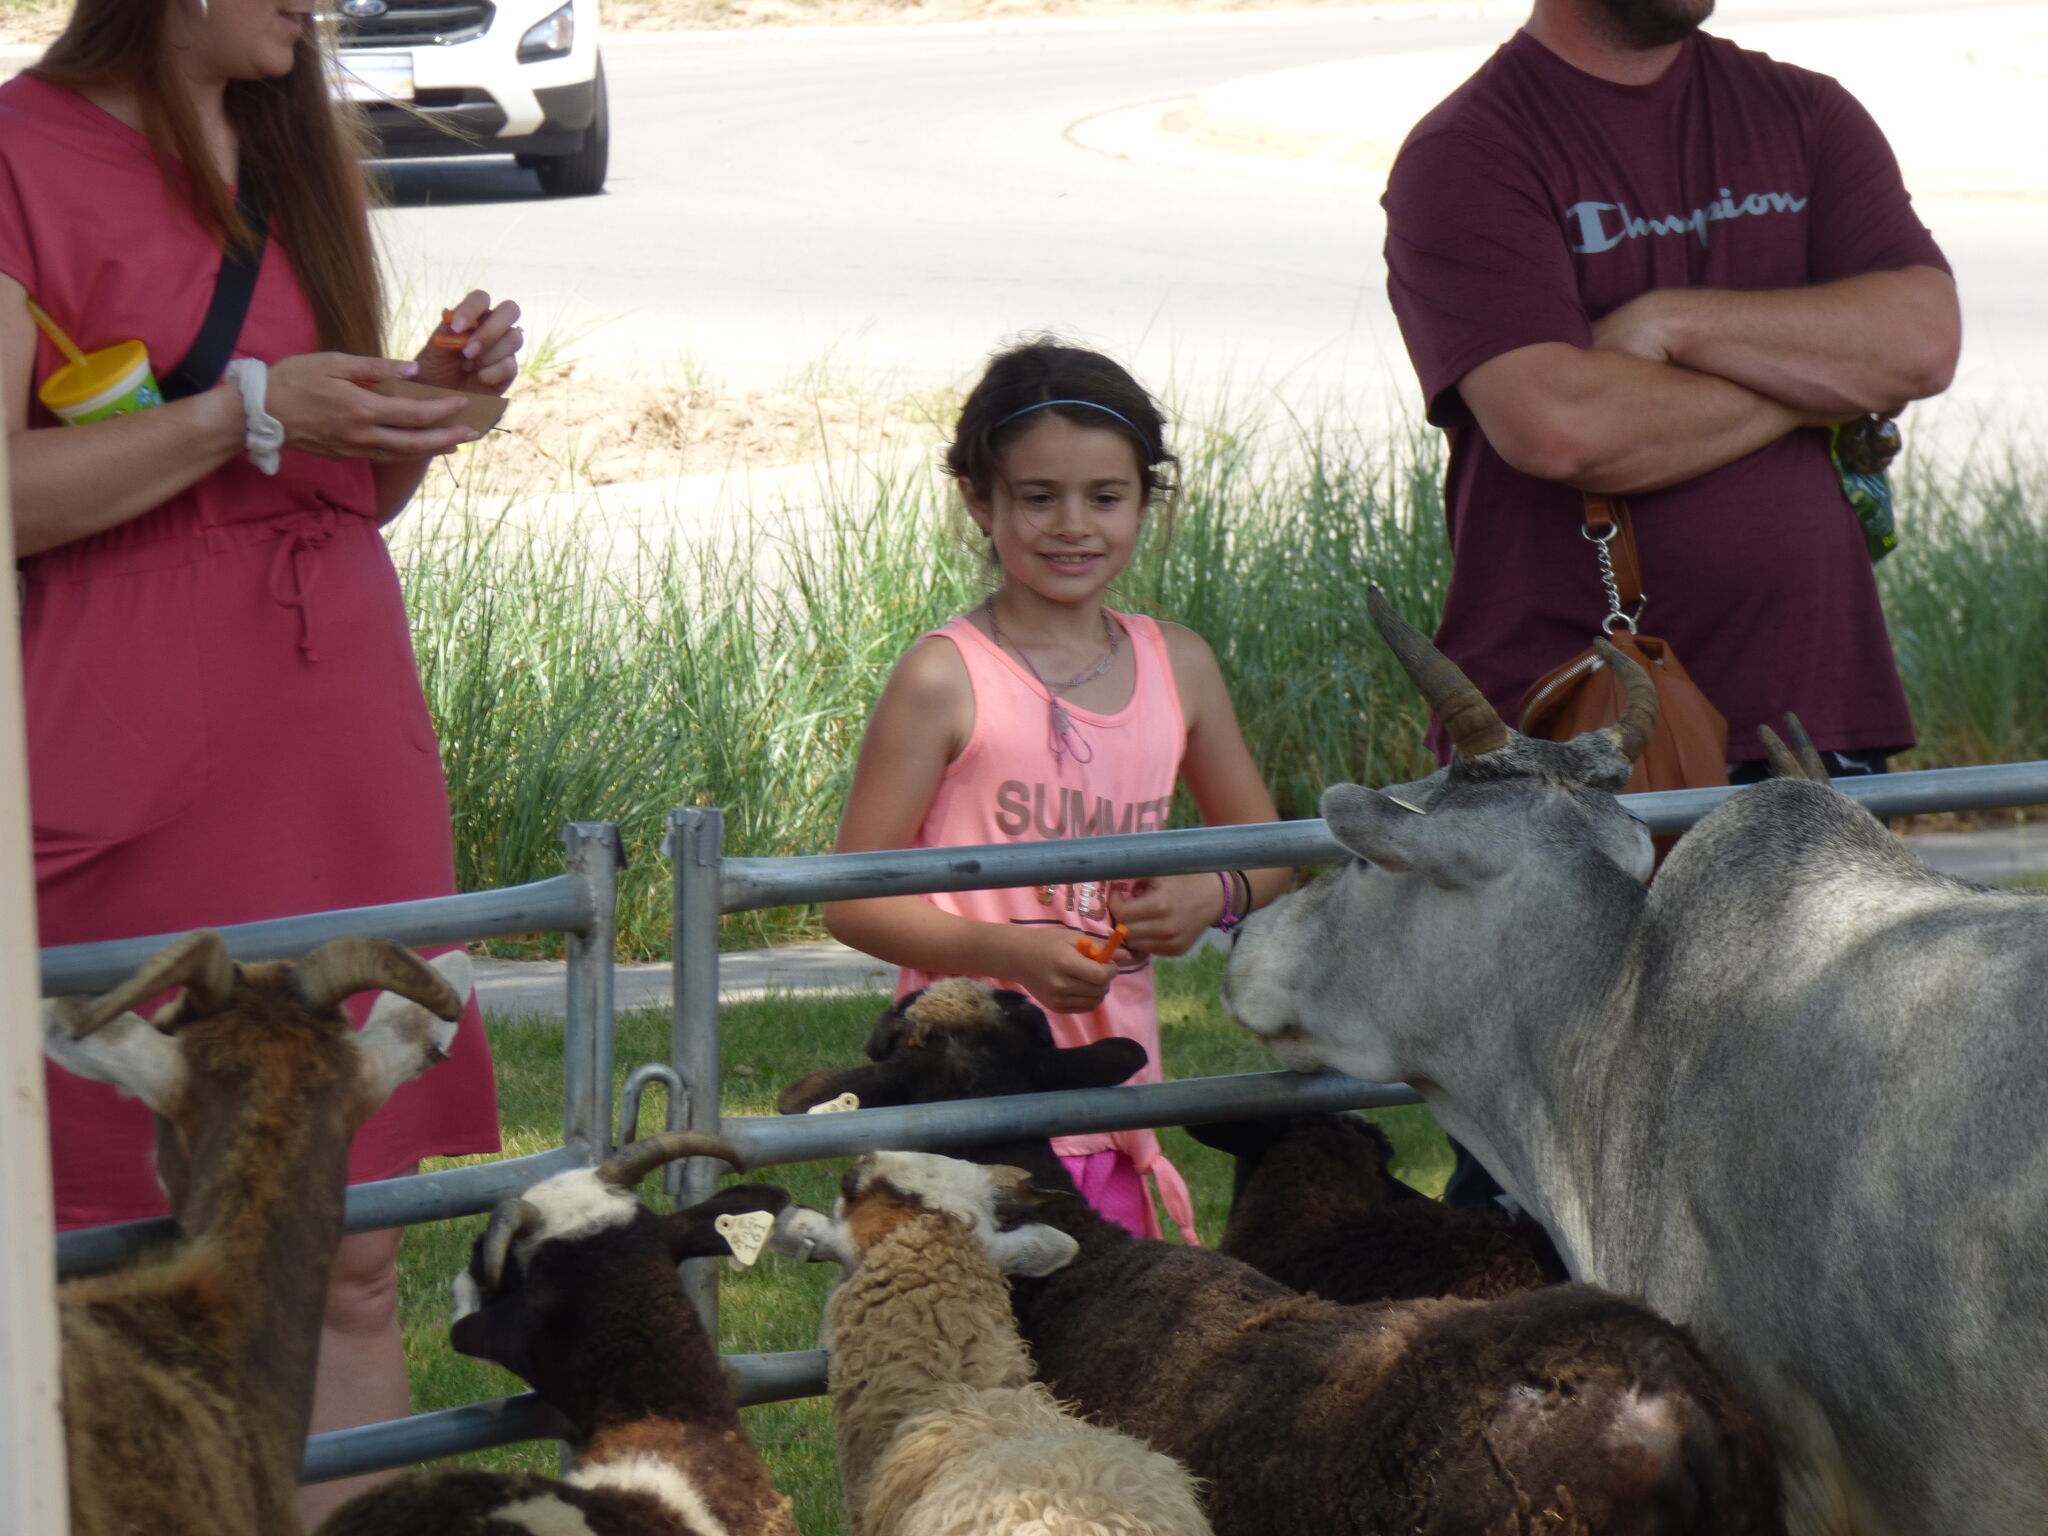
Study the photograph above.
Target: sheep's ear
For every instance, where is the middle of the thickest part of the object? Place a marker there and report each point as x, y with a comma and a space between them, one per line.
810, 1236
1239, 1138
401, 1038
127, 1051
1100, 1064
502, 1330
693, 1233
1032, 1250
1390, 833
1370, 1131
872, 1084
1016, 1187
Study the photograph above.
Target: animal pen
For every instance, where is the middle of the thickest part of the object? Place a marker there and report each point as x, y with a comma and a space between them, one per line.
580, 904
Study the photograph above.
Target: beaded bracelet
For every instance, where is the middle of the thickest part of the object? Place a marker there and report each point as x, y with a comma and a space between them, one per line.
1235, 908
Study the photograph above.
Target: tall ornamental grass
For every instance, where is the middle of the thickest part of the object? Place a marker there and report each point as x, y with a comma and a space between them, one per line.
1966, 596
571, 683
581, 673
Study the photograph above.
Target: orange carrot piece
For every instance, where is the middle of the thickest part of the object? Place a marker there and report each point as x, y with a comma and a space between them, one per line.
444, 339
1102, 951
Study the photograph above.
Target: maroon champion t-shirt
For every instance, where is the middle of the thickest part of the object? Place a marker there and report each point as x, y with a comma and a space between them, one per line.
1537, 198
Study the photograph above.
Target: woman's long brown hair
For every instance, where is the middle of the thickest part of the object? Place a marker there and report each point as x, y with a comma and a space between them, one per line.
301, 145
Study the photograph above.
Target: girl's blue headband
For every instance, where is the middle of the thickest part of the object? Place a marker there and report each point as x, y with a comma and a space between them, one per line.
1091, 404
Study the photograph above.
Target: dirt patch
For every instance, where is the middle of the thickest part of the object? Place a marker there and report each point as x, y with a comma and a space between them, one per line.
31, 23
582, 426
1193, 123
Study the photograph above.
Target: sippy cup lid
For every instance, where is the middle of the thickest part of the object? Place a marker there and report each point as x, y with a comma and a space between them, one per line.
124, 363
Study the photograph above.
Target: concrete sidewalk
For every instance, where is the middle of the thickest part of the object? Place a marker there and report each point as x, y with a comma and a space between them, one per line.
535, 987
1958, 93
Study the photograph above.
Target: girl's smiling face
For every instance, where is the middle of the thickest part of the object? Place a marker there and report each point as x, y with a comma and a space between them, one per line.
1066, 510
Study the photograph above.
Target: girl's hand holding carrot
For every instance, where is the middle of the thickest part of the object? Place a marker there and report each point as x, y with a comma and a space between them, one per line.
1104, 948
1166, 916
1046, 963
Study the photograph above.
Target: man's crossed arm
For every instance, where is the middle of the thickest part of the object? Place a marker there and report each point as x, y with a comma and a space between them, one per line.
1683, 380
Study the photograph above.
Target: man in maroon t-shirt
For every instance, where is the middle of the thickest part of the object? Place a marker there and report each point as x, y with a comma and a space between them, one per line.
1632, 258
1629, 257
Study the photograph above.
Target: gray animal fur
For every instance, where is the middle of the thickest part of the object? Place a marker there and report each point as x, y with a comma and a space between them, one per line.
1795, 1095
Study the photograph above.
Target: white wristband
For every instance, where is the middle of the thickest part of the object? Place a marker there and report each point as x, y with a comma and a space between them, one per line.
265, 433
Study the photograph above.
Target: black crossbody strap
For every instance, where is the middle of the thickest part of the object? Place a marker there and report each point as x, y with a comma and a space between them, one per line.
200, 368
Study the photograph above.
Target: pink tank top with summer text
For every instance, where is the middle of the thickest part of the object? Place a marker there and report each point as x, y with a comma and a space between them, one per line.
1007, 786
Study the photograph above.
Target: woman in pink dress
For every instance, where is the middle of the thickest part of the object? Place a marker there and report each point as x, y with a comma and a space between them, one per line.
224, 719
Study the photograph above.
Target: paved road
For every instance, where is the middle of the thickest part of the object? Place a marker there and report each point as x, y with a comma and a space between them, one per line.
894, 200
899, 199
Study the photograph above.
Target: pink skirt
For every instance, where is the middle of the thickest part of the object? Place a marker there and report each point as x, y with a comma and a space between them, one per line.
1110, 1182
225, 724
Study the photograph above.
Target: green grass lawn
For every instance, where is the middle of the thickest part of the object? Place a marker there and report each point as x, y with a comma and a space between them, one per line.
777, 1306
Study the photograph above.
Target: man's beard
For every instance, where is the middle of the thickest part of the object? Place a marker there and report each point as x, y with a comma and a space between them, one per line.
1637, 24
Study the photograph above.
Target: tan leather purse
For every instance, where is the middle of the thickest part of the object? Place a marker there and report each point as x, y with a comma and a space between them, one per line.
1689, 748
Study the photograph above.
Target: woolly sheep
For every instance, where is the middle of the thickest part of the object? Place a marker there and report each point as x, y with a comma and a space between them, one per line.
941, 1426
1560, 1410
1315, 1207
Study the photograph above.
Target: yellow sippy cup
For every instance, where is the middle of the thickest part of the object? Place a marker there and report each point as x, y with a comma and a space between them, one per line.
94, 386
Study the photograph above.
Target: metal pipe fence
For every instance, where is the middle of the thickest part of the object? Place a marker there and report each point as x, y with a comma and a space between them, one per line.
706, 886
580, 904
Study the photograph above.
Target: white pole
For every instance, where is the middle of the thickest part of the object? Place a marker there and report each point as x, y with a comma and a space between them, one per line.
32, 1482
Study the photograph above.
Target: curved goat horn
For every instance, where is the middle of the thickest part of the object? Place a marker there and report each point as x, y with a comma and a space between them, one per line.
629, 1165
512, 1220
1639, 706
1809, 755
342, 967
1800, 760
198, 962
1475, 729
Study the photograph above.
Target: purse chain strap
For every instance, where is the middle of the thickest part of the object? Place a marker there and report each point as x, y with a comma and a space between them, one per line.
1609, 529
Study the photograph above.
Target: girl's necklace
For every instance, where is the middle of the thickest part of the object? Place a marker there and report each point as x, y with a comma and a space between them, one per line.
1061, 737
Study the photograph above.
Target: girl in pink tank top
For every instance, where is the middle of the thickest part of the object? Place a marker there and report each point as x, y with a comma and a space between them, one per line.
1045, 714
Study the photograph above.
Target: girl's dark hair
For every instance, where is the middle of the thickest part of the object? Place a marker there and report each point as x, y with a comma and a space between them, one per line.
1047, 370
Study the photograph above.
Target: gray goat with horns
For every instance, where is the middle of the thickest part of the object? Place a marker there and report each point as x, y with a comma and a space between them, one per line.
1794, 1094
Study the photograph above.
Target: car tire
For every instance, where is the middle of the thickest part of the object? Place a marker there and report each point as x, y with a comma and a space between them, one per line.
581, 172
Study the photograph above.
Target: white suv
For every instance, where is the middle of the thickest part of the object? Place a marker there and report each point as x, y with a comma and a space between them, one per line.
489, 77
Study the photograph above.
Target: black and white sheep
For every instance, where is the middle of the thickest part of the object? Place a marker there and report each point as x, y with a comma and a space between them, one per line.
1314, 1205
1559, 1410
188, 1382
941, 1425
573, 1288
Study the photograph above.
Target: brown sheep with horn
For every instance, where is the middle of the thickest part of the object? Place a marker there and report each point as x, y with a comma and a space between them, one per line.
573, 1288
188, 1382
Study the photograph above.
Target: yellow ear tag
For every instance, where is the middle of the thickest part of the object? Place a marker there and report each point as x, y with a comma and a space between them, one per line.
744, 1232
838, 1106
1418, 810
